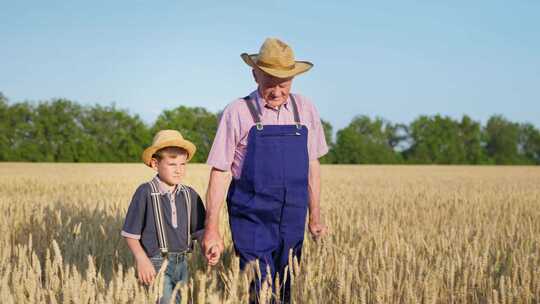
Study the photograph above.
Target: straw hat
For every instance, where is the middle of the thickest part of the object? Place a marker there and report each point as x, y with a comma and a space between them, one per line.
277, 59
168, 138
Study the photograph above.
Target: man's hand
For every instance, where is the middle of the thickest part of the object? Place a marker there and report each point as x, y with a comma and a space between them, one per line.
145, 270
317, 229
212, 245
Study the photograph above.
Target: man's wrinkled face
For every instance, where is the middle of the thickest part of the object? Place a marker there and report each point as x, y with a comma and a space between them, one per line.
275, 91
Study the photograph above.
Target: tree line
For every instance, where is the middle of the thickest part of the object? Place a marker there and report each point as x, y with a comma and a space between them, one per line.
61, 130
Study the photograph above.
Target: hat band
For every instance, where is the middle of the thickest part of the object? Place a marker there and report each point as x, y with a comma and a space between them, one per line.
275, 66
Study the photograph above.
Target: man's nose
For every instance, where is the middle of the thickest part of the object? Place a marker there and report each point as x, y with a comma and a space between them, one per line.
277, 92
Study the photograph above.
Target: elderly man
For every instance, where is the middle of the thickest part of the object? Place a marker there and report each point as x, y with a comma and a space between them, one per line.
271, 141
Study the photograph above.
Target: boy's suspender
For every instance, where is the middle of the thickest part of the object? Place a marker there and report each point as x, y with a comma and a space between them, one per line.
187, 199
158, 216
158, 219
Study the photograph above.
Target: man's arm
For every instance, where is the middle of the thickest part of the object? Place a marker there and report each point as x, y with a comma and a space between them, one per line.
212, 242
316, 227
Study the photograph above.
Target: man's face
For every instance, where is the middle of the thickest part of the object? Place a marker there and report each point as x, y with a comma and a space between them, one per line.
171, 168
274, 90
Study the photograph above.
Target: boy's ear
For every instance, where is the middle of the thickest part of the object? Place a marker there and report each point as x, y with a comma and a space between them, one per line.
154, 163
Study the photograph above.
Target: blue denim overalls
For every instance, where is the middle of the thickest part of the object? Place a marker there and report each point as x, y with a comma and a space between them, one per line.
268, 203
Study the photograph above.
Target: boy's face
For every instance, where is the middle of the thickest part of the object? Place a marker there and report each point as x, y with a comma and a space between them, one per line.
171, 168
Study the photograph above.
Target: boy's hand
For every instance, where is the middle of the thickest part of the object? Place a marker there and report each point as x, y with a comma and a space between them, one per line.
212, 246
145, 270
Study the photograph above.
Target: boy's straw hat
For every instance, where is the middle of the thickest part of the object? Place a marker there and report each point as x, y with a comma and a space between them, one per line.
277, 59
168, 138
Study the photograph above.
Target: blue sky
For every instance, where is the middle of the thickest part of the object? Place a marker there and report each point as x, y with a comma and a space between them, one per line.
395, 60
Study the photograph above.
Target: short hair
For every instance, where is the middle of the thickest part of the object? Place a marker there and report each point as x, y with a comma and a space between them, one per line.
171, 152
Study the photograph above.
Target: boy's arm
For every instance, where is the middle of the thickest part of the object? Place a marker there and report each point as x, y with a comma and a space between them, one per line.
145, 269
198, 214
132, 231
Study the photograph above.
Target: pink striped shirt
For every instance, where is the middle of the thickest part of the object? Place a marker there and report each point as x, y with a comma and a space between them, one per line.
230, 143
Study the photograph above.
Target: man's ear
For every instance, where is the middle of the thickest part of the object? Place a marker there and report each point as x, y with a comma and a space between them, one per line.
254, 73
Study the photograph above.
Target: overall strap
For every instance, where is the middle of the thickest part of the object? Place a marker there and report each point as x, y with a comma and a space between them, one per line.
158, 219
187, 199
295, 111
253, 111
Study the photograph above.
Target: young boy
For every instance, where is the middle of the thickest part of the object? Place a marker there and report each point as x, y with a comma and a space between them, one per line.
164, 215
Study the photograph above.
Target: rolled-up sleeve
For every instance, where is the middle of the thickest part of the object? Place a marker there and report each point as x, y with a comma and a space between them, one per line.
221, 154
135, 216
317, 146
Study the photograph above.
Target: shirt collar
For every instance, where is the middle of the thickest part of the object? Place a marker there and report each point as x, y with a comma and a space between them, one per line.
162, 187
261, 103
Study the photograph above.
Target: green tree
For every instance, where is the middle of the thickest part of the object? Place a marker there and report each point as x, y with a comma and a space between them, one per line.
196, 125
502, 141
471, 136
366, 141
113, 135
529, 143
58, 131
436, 140
396, 134
21, 133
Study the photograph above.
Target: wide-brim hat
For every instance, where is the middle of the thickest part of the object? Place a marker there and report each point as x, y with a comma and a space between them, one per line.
276, 58
168, 138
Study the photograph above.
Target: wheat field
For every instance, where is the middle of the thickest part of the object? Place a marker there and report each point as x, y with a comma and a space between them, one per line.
398, 234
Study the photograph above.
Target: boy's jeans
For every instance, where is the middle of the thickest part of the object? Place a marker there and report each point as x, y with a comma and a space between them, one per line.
177, 271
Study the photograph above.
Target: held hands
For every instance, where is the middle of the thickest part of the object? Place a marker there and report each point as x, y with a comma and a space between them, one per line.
145, 270
212, 245
212, 255
317, 229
